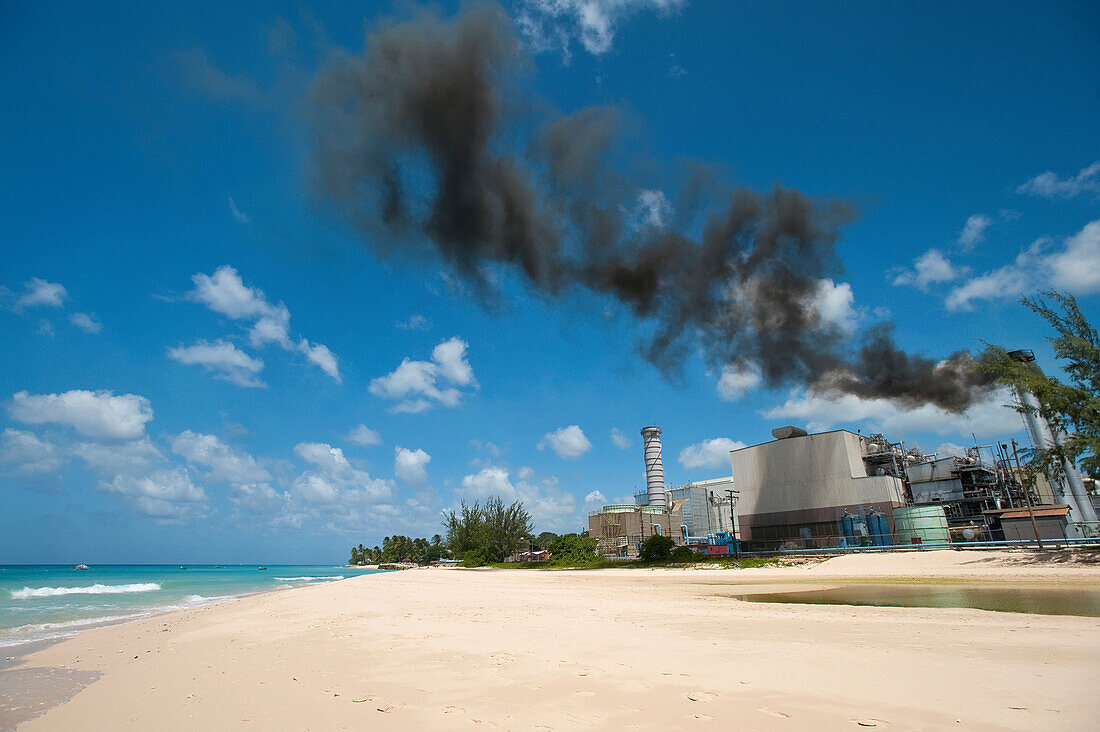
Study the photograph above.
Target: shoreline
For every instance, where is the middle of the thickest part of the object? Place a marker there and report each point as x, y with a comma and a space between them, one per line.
50, 627
576, 648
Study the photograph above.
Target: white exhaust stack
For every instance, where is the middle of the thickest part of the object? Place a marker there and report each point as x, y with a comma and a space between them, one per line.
1076, 497
654, 469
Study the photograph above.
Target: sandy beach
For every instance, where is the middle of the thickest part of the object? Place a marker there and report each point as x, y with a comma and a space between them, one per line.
607, 649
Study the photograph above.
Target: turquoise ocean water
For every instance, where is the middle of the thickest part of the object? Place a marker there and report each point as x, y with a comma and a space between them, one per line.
42, 602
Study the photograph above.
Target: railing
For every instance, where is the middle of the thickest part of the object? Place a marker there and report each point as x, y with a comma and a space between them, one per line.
832, 544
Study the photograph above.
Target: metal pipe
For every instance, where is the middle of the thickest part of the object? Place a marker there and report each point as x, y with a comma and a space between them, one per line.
1046, 439
1027, 494
1076, 497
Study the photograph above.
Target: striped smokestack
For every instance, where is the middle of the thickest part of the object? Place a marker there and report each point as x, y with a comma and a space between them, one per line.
654, 469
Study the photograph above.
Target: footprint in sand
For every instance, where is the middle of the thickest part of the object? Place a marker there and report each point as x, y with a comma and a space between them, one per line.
451, 709
774, 713
702, 717
702, 696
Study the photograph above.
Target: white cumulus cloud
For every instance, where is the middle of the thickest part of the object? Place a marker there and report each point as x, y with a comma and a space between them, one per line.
226, 464
553, 24
1074, 267
713, 454
409, 465
365, 436
737, 379
98, 414
41, 293
86, 322
168, 495
332, 481
24, 455
415, 322
928, 269
974, 231
620, 440
568, 442
653, 209
1049, 185
135, 457
594, 501
420, 383
223, 359
834, 304
550, 507
224, 292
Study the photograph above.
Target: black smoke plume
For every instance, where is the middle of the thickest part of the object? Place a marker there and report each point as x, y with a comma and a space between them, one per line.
424, 143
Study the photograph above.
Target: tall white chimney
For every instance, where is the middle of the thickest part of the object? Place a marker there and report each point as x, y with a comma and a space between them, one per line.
1069, 488
654, 469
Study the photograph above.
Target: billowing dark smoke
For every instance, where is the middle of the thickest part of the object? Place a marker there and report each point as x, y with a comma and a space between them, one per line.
419, 142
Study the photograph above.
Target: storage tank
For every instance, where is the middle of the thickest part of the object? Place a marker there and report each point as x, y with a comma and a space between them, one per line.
927, 523
654, 469
879, 529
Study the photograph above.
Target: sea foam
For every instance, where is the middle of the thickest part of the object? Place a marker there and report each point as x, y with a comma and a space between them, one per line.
308, 578
96, 589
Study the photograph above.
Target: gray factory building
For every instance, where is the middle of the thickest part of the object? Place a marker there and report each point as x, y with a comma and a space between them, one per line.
798, 487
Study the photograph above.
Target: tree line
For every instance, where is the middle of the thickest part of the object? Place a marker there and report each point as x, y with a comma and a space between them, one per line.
400, 549
481, 534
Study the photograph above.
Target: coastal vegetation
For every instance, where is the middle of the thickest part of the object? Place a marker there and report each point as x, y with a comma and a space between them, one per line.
484, 534
400, 549
1073, 407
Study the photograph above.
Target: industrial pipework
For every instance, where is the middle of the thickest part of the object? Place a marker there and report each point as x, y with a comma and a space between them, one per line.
1072, 487
654, 469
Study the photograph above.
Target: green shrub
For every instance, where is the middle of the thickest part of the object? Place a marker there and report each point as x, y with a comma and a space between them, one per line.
656, 548
474, 558
570, 550
683, 554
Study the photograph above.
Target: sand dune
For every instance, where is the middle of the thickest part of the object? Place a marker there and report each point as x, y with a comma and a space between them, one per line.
610, 649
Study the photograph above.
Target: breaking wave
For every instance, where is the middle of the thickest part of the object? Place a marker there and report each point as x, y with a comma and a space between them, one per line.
307, 578
96, 589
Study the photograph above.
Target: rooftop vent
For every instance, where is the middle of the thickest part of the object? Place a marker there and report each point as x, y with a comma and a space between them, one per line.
783, 433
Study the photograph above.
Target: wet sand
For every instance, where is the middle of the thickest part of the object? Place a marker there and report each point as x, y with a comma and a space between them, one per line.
606, 649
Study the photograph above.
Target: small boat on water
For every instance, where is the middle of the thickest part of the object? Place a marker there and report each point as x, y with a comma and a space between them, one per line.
261, 568
81, 566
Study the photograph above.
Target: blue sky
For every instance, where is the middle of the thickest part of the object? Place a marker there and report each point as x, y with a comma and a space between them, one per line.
205, 362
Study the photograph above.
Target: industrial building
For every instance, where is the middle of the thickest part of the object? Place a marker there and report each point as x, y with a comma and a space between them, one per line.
797, 487
620, 529
842, 489
706, 507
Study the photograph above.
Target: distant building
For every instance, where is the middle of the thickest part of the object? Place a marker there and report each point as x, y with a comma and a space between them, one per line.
1052, 521
706, 507
621, 528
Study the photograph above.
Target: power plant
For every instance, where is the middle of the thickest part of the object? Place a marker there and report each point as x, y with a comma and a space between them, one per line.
838, 489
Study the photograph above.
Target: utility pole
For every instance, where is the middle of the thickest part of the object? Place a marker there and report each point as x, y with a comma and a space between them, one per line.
733, 525
1027, 495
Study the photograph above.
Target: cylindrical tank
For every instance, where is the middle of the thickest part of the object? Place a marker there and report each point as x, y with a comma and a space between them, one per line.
848, 526
927, 523
654, 469
879, 529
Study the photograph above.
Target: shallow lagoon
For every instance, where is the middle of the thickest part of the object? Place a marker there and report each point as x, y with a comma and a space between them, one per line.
1046, 600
